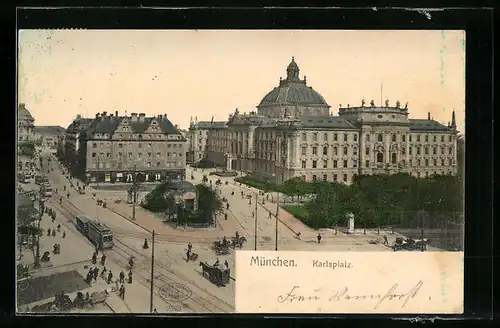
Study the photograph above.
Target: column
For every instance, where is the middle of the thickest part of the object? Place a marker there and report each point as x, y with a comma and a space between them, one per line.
361, 151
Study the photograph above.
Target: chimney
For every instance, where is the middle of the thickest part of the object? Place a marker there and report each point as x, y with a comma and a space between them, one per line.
96, 115
177, 126
116, 113
159, 116
134, 117
110, 115
78, 117
453, 121
429, 116
142, 116
165, 115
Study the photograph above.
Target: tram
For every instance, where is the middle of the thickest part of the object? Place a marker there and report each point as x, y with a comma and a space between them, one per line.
82, 224
100, 235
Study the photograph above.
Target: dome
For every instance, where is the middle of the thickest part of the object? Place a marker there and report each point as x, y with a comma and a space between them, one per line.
293, 90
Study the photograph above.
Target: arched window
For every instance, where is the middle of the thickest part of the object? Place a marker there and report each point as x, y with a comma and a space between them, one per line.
380, 158
393, 158
393, 138
379, 137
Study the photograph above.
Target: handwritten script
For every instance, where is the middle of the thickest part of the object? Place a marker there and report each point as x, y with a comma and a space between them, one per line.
298, 295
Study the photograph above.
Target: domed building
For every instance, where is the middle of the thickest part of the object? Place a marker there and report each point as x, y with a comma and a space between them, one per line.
293, 98
292, 134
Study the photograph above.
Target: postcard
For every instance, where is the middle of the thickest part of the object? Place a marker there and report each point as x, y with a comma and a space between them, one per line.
222, 171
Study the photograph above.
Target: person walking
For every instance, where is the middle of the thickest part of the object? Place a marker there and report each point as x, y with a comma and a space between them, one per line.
94, 258
319, 238
96, 273
122, 277
53, 232
386, 242
122, 292
130, 277
64, 234
103, 259
110, 277
103, 273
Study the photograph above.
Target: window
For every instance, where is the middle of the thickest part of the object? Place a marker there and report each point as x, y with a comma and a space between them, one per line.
355, 164
140, 145
304, 150
345, 136
149, 164
325, 150
409, 150
380, 138
158, 164
149, 145
335, 137
367, 163
94, 145
434, 139
314, 177
101, 155
139, 155
434, 151
434, 162
345, 150
367, 137
345, 177
450, 150
367, 151
403, 138
393, 158
93, 154
403, 162
129, 155
450, 138
418, 162
304, 137
345, 162
303, 164
442, 138
355, 151
418, 137
120, 145
325, 137
380, 158
418, 150
334, 178
315, 137
411, 162
426, 174
426, 162
426, 138
108, 155
169, 145
325, 163
325, 177
315, 150
442, 162
426, 150
450, 161
403, 151
335, 163
409, 138
393, 138
335, 151
355, 136
120, 154
158, 154
315, 164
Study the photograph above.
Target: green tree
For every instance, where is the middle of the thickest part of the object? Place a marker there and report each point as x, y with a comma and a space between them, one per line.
209, 203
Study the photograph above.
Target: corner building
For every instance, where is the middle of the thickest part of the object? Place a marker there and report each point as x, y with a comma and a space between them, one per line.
292, 134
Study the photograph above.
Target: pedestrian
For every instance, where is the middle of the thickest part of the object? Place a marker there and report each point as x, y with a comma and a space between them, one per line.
90, 275
64, 188
53, 232
155, 311
188, 253
58, 228
48, 232
269, 216
122, 277
225, 216
226, 264
122, 292
110, 277
253, 213
103, 259
130, 277
96, 273
319, 238
103, 273
64, 234
386, 242
145, 245
94, 258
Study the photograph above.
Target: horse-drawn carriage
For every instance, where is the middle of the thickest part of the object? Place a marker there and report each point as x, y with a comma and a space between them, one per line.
221, 247
410, 244
237, 242
217, 275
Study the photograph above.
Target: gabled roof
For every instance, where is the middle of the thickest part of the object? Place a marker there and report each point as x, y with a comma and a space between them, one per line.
426, 125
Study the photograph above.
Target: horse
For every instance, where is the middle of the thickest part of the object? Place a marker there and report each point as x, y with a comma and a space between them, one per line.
214, 274
238, 242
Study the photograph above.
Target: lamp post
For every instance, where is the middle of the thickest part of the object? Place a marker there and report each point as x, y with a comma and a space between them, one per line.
255, 228
152, 273
40, 215
135, 185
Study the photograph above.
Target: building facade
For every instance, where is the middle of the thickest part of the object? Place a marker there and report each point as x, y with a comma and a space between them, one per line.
48, 136
71, 144
25, 125
122, 148
293, 135
197, 135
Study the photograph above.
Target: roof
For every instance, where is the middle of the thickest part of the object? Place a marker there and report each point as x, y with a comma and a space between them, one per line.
326, 122
183, 186
50, 130
208, 125
108, 124
293, 90
426, 125
23, 112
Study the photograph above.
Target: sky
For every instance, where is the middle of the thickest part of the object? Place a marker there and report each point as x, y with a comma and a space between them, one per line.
200, 73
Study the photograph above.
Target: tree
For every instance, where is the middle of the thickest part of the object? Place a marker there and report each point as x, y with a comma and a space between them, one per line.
209, 202
155, 200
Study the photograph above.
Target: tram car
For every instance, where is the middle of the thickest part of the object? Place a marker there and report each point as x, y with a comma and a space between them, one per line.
82, 224
100, 235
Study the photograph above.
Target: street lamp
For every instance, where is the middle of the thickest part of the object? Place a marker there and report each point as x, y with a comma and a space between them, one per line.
41, 207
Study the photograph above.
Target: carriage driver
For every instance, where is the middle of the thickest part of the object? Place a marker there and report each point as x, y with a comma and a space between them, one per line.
237, 235
216, 264
224, 242
190, 247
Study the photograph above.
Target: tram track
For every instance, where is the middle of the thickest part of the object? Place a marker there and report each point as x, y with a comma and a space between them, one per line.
206, 303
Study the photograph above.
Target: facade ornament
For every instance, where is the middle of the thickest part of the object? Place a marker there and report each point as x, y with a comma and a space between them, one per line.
387, 103
372, 103
398, 104
363, 102
406, 105
347, 105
